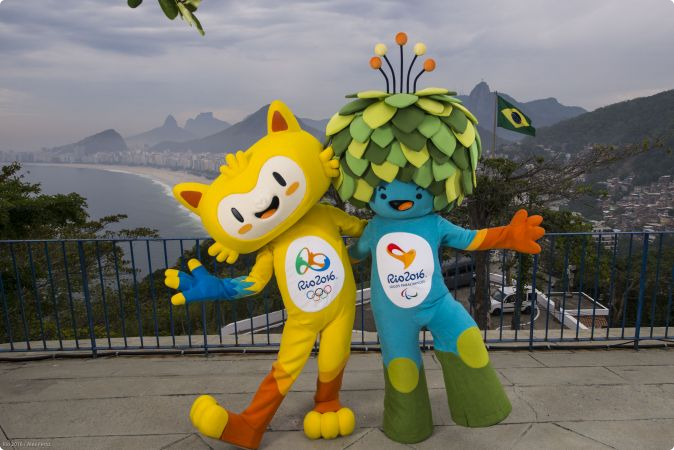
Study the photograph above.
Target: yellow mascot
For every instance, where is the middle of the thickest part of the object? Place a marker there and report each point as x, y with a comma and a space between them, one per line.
266, 201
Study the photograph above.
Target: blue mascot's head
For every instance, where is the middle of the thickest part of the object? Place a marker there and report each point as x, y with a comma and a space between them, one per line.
400, 200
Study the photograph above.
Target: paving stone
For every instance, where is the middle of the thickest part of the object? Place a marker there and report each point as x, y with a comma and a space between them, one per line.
375, 438
118, 416
645, 374
612, 357
497, 436
502, 359
555, 438
191, 442
545, 376
619, 402
298, 441
628, 435
100, 442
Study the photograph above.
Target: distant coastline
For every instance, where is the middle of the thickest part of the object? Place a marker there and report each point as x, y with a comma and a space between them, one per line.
165, 177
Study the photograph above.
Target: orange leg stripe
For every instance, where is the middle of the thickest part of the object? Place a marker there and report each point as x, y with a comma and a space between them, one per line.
327, 394
246, 429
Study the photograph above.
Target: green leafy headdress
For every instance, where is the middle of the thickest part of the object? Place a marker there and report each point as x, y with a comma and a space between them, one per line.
425, 136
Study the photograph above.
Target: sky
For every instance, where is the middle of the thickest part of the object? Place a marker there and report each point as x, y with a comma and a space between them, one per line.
72, 68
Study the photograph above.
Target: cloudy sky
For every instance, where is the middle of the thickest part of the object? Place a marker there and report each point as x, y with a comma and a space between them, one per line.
71, 68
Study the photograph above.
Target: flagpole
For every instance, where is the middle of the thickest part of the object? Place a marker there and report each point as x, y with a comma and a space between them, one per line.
493, 142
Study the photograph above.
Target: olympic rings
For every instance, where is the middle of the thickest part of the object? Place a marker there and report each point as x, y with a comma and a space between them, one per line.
319, 293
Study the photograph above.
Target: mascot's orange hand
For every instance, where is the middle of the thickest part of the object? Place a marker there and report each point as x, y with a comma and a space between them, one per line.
523, 232
520, 235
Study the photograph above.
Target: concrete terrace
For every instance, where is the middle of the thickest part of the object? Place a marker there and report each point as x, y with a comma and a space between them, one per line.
561, 399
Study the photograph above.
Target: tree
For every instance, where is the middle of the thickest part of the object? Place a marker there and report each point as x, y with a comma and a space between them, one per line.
534, 183
46, 247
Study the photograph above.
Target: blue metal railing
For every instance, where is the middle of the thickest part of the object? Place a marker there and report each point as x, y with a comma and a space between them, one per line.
108, 295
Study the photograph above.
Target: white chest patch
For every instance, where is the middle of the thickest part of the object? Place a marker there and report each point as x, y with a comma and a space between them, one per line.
405, 264
314, 272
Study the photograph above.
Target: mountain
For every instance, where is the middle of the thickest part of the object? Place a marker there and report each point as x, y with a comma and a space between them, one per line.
105, 141
315, 124
205, 124
169, 131
630, 122
239, 136
543, 112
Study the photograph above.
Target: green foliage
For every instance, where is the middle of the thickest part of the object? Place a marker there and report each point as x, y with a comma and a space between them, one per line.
427, 137
173, 8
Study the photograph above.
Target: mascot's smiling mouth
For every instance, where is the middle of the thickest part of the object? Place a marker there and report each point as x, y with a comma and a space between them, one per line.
270, 210
401, 205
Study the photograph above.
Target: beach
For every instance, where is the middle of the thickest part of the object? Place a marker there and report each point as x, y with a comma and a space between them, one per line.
166, 177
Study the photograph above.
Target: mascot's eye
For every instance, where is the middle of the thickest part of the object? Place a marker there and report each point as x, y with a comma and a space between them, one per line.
277, 176
418, 196
237, 215
383, 196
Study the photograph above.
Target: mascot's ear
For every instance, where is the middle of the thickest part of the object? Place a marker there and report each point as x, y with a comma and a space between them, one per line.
280, 118
190, 194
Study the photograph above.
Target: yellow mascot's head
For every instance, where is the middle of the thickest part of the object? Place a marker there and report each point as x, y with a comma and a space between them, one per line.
263, 191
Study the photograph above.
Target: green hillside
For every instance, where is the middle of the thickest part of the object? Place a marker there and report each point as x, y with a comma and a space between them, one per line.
628, 122
631, 122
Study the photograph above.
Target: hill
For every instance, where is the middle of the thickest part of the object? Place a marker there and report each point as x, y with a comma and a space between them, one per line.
169, 131
628, 122
105, 141
205, 124
237, 137
645, 119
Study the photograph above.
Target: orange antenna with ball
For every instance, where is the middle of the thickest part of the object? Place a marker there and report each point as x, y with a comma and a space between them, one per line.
429, 66
401, 40
419, 49
375, 63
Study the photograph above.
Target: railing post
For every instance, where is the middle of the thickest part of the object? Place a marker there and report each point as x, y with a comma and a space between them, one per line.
87, 299
642, 290
534, 304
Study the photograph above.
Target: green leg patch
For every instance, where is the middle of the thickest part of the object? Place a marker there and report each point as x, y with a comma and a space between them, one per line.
475, 396
407, 416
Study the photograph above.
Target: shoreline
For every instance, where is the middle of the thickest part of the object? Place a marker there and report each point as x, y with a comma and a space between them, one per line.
165, 177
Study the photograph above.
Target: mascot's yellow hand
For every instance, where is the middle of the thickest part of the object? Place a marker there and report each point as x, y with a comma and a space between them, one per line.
234, 163
330, 166
223, 253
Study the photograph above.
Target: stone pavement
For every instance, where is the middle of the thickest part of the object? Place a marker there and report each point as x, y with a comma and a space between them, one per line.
561, 400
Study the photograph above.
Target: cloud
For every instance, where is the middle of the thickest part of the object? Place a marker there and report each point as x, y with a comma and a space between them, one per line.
86, 65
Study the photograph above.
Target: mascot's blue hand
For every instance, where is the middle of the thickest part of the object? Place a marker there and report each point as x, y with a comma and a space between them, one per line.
200, 285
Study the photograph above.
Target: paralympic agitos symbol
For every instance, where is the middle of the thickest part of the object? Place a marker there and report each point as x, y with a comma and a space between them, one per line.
407, 258
306, 259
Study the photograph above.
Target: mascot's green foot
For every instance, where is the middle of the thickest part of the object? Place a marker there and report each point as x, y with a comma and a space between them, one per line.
407, 414
475, 395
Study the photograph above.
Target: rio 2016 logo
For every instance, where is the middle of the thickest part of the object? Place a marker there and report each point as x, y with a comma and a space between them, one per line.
407, 258
306, 259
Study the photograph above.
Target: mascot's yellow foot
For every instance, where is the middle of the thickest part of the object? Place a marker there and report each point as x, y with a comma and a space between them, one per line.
329, 425
208, 417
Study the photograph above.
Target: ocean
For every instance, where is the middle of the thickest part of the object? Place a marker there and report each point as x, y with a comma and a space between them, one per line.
146, 202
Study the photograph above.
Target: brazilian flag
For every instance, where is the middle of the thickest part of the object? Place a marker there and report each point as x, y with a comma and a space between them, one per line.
511, 118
